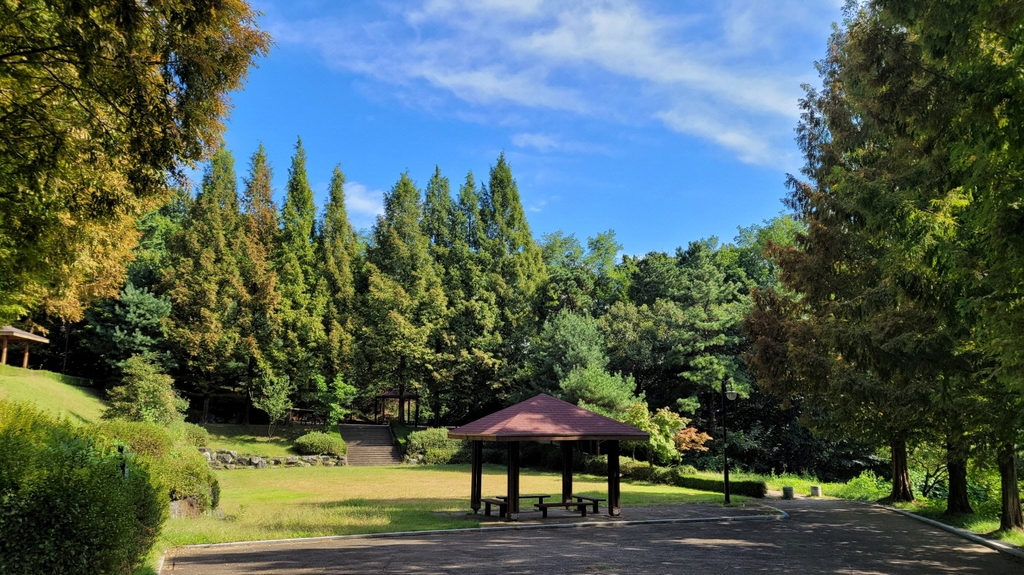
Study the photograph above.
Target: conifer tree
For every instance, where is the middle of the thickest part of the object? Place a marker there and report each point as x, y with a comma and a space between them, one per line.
404, 302
340, 258
515, 265
204, 285
303, 291
260, 314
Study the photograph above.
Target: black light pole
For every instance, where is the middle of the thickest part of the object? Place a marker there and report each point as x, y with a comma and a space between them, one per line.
731, 395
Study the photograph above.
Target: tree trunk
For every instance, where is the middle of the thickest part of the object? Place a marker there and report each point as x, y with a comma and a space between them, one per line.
956, 469
1010, 517
206, 409
901, 490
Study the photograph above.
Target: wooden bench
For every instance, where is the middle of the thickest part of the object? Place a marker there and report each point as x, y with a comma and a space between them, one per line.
502, 506
580, 506
593, 500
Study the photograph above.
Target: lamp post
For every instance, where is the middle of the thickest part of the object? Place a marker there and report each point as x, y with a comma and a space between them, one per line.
730, 395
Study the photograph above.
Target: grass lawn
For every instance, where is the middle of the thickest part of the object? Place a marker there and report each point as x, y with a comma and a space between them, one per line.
313, 501
253, 439
984, 521
48, 392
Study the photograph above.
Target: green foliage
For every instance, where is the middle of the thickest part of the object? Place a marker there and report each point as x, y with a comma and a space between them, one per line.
757, 489
67, 505
274, 397
593, 388
867, 487
663, 426
128, 326
175, 463
146, 394
334, 399
189, 434
435, 447
320, 443
102, 103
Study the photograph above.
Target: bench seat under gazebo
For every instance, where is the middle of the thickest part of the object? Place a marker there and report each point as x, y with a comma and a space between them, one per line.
545, 418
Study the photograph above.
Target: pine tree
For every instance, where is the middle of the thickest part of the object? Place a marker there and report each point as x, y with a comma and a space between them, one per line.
303, 290
204, 285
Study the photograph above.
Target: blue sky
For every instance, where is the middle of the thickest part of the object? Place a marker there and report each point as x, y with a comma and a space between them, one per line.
667, 121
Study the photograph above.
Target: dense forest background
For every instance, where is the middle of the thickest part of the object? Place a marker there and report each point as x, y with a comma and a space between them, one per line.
256, 309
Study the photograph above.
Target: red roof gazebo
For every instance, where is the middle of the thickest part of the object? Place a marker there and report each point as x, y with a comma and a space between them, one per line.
8, 333
545, 418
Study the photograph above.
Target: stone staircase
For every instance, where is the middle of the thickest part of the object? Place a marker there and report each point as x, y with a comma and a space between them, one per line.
370, 444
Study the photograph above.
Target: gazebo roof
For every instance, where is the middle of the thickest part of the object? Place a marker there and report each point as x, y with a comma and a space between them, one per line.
545, 418
393, 393
14, 333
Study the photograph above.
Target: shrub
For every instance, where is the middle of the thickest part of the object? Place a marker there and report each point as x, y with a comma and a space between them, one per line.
756, 489
435, 447
189, 433
147, 394
71, 502
320, 443
867, 487
179, 467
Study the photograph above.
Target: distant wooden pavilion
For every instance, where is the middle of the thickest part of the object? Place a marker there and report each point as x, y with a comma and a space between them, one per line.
404, 397
545, 418
9, 334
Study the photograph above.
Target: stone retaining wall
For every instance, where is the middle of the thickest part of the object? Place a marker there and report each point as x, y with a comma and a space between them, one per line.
224, 459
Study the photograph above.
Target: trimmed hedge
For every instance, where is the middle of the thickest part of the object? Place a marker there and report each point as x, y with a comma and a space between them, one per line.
70, 502
756, 489
320, 443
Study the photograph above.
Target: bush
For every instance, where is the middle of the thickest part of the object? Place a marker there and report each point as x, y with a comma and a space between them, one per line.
147, 394
756, 489
179, 467
866, 487
189, 433
320, 443
435, 447
68, 505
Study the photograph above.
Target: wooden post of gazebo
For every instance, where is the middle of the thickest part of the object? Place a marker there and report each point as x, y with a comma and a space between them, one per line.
566, 470
3, 360
477, 471
614, 495
512, 514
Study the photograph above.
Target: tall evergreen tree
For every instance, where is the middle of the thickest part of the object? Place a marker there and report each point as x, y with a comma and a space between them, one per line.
303, 289
404, 305
515, 266
340, 256
260, 314
204, 285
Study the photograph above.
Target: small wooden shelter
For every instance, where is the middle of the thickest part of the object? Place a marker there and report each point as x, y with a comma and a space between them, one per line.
545, 418
404, 397
9, 334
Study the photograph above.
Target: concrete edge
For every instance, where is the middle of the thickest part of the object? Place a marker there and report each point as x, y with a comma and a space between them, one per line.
160, 563
779, 515
974, 537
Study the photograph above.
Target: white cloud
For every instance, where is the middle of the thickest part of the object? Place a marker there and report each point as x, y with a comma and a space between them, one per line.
363, 204
615, 61
543, 142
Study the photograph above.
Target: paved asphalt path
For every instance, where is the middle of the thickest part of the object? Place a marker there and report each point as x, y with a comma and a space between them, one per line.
821, 536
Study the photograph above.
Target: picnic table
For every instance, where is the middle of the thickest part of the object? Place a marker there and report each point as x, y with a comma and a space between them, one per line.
501, 501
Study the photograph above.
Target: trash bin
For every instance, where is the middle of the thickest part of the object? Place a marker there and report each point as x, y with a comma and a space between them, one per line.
787, 492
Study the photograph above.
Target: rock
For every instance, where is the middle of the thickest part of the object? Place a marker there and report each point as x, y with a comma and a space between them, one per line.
261, 464
329, 463
291, 460
243, 460
234, 454
225, 457
255, 459
207, 455
188, 507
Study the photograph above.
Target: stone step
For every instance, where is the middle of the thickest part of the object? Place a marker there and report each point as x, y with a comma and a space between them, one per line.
369, 445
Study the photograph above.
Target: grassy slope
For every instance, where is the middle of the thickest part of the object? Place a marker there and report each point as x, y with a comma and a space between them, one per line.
48, 392
253, 439
313, 501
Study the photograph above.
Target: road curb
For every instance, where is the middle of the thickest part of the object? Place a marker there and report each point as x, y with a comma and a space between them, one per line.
779, 515
991, 544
